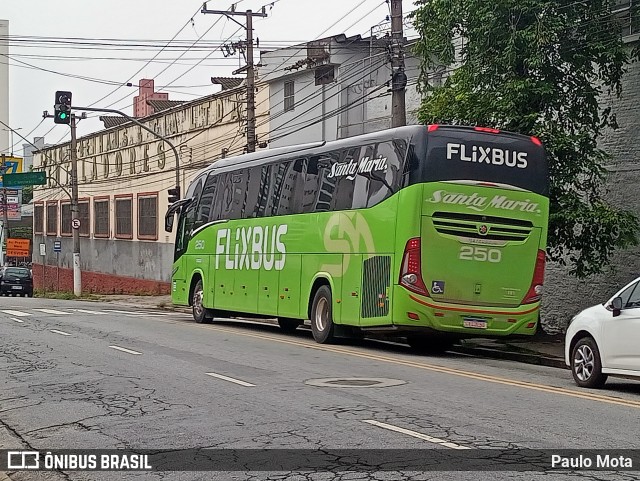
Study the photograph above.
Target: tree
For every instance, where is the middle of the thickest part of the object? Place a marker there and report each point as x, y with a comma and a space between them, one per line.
544, 68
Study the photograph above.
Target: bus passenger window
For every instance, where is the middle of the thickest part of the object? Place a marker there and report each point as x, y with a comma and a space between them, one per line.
252, 193
387, 164
293, 189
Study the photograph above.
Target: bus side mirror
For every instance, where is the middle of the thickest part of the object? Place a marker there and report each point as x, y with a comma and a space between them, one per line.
616, 306
168, 223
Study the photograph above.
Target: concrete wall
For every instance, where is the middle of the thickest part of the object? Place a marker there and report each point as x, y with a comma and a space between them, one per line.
565, 295
108, 266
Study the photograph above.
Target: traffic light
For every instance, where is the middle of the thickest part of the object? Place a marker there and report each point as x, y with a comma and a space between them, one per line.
62, 107
174, 195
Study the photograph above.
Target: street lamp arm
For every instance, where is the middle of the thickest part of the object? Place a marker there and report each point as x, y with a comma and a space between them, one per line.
112, 111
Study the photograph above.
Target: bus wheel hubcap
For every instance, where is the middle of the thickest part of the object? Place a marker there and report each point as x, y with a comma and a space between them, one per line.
322, 313
197, 302
584, 362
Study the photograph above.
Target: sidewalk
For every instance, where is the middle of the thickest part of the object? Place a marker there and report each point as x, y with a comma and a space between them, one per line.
541, 349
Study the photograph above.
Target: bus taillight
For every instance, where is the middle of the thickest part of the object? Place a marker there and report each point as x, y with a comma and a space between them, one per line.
411, 271
487, 129
535, 291
536, 141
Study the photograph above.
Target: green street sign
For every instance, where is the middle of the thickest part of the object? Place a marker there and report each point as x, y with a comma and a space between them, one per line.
26, 178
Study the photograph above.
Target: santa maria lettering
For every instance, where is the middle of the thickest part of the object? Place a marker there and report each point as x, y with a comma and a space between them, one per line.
481, 203
352, 168
251, 248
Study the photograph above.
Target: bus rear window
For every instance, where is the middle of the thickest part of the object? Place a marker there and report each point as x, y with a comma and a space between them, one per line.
500, 158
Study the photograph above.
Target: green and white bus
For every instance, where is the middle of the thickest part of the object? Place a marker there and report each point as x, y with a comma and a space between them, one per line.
433, 233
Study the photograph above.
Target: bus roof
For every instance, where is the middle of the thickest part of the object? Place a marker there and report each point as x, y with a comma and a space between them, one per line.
405, 132
314, 147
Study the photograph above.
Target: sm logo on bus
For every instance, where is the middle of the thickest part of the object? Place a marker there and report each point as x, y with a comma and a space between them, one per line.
345, 233
252, 248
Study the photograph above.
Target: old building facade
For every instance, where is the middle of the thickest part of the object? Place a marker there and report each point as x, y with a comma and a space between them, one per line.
124, 174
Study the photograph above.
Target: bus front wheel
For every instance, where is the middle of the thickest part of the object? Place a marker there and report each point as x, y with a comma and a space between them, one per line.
200, 313
322, 326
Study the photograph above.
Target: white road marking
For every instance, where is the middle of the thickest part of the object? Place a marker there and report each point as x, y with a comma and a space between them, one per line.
125, 350
14, 319
415, 434
230, 379
132, 313
51, 311
60, 332
16, 313
87, 311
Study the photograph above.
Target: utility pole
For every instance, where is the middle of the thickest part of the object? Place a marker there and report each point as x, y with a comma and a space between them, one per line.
5, 215
249, 68
398, 75
77, 275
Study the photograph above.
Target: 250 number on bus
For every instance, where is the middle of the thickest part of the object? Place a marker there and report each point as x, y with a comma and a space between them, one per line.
481, 254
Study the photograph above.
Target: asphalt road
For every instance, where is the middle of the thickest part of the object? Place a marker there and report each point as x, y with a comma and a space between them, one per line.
87, 375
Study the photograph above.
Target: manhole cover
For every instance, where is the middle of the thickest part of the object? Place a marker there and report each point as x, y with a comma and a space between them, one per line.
354, 382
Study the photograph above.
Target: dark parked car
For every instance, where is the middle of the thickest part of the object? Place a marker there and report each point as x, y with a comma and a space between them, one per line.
16, 281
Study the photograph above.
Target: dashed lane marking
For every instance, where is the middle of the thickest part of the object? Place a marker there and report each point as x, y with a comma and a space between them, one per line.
415, 434
52, 311
230, 379
15, 319
87, 311
55, 331
124, 349
16, 313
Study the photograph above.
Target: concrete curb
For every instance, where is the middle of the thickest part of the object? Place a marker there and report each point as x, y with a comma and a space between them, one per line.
526, 358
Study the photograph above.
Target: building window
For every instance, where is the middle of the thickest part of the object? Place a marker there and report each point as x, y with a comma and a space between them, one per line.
38, 219
148, 216
124, 217
101, 217
289, 101
628, 16
52, 218
65, 218
83, 215
325, 74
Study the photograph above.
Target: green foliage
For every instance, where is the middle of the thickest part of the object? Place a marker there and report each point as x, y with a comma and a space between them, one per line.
66, 295
27, 194
544, 68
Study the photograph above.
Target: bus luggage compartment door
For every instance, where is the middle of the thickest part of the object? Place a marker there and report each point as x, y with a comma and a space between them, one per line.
478, 260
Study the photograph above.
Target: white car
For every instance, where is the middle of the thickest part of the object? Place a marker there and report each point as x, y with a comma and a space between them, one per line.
604, 339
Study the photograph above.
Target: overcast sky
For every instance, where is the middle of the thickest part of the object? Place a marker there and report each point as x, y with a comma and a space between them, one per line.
97, 74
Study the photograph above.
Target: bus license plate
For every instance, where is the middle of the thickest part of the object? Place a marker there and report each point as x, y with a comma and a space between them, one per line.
475, 323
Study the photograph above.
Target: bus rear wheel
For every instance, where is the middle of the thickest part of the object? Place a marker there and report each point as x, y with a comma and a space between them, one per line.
322, 326
200, 313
